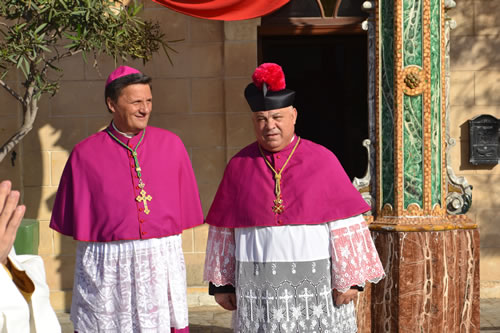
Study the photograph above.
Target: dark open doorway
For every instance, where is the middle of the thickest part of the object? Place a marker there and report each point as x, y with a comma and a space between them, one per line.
329, 74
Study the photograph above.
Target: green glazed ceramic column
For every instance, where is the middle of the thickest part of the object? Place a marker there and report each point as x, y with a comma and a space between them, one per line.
410, 108
431, 258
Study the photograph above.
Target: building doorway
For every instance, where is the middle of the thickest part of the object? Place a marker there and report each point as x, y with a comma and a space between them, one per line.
330, 75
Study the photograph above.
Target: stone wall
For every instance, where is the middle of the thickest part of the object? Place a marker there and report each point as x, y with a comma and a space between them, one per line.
475, 90
200, 98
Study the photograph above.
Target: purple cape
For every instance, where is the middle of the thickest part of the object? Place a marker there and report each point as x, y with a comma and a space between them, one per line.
96, 196
315, 189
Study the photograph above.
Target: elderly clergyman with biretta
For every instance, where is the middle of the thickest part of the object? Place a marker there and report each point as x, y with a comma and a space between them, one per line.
126, 194
288, 248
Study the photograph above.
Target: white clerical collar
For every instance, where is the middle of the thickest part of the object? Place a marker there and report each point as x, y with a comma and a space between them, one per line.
124, 134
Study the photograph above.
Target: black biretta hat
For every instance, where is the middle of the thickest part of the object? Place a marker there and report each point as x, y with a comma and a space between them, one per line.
268, 89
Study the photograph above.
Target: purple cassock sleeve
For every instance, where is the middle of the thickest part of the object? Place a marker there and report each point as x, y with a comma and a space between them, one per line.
96, 199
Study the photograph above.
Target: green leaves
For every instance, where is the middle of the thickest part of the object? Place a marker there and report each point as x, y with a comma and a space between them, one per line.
40, 28
37, 34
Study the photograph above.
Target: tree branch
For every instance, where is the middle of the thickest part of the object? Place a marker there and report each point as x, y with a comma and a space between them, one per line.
14, 140
58, 57
12, 92
28, 120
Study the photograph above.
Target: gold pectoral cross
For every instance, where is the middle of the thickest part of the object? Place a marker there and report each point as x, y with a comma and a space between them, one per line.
278, 206
144, 198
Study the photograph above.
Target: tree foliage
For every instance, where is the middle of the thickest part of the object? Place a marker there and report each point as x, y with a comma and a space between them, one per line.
36, 34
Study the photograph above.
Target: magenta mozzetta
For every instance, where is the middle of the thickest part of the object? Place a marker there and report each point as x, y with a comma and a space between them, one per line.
96, 199
246, 195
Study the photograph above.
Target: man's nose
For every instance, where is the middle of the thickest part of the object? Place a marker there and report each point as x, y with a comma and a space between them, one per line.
145, 107
270, 123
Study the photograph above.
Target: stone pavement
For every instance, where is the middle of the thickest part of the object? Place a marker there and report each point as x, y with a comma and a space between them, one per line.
202, 319
213, 319
490, 315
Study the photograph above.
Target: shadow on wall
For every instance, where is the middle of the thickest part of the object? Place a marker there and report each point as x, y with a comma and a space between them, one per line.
58, 127
475, 53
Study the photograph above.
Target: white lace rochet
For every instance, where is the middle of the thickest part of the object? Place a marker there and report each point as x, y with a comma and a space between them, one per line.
130, 286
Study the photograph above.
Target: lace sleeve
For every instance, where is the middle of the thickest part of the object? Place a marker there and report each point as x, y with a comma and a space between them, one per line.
355, 259
220, 261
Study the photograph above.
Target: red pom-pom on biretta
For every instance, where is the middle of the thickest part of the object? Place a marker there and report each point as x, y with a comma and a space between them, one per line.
271, 74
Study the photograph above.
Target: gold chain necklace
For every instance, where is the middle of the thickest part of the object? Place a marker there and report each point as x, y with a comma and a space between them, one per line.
143, 196
278, 203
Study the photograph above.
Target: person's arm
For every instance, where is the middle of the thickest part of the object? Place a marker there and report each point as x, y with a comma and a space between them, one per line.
225, 295
354, 258
220, 266
10, 218
226, 289
22, 281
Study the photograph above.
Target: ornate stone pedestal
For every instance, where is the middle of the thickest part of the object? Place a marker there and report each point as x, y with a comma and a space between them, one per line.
431, 258
432, 283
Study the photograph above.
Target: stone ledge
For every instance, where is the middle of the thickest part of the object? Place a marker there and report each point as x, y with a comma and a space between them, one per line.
198, 296
490, 289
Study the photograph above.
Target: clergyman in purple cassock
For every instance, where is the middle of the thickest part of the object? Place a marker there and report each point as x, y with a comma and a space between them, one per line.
126, 195
288, 248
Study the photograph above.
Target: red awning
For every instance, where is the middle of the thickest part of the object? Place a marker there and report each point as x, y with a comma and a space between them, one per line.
227, 10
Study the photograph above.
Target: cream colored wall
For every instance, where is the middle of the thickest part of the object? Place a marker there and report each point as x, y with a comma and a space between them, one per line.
475, 90
201, 99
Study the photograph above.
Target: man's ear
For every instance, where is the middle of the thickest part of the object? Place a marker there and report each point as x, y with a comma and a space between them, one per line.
110, 104
295, 114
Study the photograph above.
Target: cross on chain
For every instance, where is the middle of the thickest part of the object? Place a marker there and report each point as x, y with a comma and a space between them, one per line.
251, 297
278, 206
224, 233
306, 296
286, 297
327, 294
144, 198
267, 299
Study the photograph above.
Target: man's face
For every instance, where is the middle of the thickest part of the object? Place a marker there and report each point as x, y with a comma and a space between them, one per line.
132, 109
274, 129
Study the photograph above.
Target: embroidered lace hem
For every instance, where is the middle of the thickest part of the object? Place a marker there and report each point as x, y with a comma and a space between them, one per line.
355, 259
220, 261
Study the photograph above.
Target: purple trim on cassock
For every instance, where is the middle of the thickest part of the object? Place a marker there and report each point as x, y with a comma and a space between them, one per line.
96, 196
315, 189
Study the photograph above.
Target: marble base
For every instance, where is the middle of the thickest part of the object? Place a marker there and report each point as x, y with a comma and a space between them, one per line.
363, 310
432, 283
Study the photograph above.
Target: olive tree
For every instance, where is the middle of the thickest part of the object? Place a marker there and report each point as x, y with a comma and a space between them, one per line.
36, 34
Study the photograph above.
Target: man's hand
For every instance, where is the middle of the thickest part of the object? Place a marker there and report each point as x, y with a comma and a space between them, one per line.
10, 218
226, 300
346, 297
